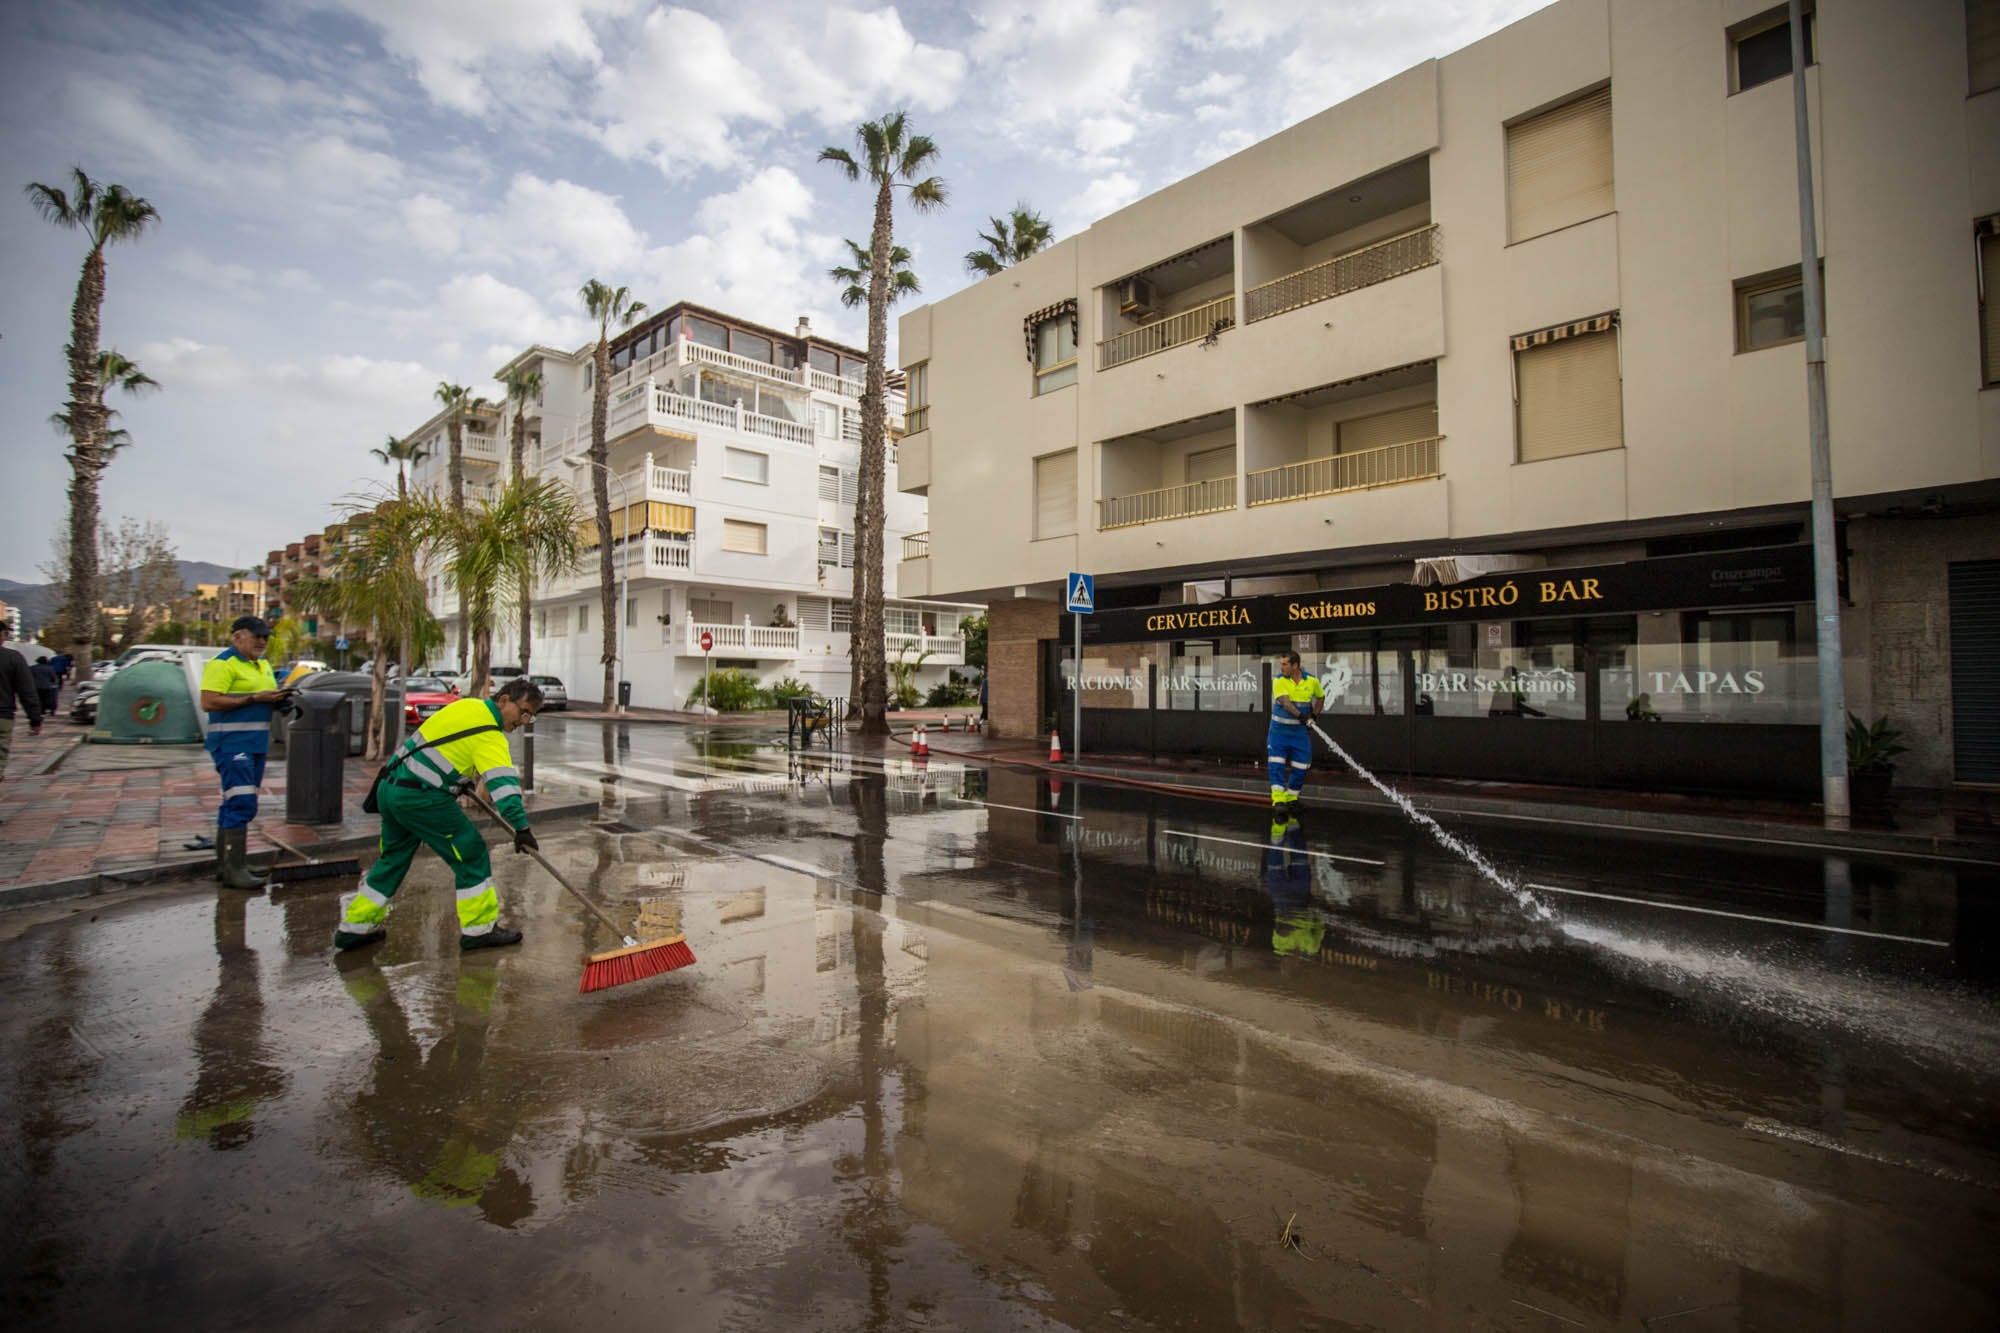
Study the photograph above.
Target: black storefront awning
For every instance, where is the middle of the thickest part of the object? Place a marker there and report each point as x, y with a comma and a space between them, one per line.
1765, 576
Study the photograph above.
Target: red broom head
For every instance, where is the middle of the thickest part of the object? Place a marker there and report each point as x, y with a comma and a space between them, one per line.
604, 970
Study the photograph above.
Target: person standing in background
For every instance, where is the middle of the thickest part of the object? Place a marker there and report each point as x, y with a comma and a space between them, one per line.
17, 690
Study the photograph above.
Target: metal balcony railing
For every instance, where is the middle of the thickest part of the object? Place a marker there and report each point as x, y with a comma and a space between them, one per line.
1345, 273
918, 418
1189, 325
917, 546
1197, 497
1412, 460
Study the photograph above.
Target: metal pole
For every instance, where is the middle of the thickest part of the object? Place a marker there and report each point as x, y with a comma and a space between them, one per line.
1826, 573
624, 610
528, 757
1076, 693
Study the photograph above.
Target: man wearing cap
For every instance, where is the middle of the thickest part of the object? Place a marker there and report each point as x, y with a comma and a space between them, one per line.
238, 691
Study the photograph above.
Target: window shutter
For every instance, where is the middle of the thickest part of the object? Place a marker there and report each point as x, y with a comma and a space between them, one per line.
1989, 305
847, 550
1384, 428
1055, 494
1982, 49
1570, 398
812, 613
1559, 167
829, 483
747, 538
1217, 464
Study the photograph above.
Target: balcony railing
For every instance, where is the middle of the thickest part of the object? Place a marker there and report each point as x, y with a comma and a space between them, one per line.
686, 352
918, 418
630, 408
917, 546
484, 448
1204, 321
941, 647
1197, 497
1412, 460
746, 640
1345, 273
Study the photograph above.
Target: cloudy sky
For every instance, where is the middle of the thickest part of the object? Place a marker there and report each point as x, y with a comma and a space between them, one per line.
362, 197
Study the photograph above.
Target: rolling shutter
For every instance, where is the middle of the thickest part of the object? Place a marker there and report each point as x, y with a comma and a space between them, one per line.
1989, 304
1559, 167
1055, 495
1383, 428
1570, 401
1975, 669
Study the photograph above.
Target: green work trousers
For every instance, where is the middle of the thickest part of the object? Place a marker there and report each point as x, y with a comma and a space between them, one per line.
429, 818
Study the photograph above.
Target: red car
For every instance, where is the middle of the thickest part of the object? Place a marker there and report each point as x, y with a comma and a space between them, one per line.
422, 696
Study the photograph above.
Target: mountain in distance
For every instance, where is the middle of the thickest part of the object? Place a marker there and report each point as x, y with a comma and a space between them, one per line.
37, 601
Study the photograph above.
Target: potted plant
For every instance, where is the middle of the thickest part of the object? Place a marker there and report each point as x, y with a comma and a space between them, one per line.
1871, 759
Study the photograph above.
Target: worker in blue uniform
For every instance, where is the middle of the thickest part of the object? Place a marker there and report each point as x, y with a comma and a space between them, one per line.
1295, 698
238, 692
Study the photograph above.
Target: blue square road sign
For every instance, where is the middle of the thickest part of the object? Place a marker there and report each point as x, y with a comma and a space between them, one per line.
1082, 592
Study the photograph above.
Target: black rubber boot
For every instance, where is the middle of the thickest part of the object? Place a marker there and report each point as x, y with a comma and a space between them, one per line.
495, 938
343, 940
233, 845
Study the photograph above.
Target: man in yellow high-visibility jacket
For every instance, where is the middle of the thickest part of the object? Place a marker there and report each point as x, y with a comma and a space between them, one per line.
459, 744
1295, 697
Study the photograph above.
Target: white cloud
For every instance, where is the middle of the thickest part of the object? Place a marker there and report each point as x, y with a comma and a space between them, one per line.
238, 281
566, 219
1100, 134
1103, 196
754, 256
481, 303
183, 363
454, 46
674, 98
859, 59
329, 167
435, 227
1057, 59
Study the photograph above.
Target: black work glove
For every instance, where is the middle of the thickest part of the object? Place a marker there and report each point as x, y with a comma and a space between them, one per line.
524, 840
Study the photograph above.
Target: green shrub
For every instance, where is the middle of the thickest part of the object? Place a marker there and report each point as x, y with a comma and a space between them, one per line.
908, 695
732, 690
949, 694
788, 688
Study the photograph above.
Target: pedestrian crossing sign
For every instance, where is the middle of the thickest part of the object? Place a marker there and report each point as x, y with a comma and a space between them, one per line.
1082, 593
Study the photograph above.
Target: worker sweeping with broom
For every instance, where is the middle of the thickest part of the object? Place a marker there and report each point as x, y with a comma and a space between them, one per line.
459, 745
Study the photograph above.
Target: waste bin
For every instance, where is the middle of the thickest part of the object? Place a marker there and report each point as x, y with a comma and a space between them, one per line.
147, 703
315, 753
358, 688
624, 694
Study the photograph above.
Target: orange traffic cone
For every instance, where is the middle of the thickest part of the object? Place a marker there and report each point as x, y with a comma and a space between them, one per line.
947, 724
920, 746
1055, 747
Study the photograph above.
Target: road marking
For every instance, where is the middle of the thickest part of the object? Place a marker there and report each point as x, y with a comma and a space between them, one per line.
1741, 916
632, 772
1778, 1129
1267, 846
1026, 810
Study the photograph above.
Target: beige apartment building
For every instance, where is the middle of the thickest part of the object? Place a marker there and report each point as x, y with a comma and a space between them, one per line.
1486, 390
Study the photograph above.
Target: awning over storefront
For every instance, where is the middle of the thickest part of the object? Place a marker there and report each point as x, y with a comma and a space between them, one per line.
1449, 569
1043, 316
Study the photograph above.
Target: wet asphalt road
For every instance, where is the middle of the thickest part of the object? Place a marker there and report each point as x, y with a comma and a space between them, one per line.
966, 1051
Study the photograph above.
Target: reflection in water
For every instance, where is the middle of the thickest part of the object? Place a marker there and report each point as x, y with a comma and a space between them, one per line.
234, 1069
873, 1224
39, 1247
434, 1119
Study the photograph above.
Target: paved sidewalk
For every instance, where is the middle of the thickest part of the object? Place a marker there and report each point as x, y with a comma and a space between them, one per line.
74, 814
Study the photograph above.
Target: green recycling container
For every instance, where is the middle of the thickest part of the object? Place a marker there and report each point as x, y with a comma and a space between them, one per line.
147, 703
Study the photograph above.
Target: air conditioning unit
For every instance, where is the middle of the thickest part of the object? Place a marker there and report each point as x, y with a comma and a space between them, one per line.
1135, 299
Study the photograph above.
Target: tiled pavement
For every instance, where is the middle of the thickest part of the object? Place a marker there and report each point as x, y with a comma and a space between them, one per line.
70, 810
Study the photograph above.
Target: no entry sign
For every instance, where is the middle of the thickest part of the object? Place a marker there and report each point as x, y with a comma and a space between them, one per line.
707, 641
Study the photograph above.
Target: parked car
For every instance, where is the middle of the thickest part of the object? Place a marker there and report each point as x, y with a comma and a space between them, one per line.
299, 670
424, 695
554, 695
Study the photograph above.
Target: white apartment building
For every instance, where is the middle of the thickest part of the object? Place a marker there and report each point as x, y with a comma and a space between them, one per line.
1486, 388
734, 456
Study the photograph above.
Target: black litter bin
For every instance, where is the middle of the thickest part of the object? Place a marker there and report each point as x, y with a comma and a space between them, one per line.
315, 753
624, 694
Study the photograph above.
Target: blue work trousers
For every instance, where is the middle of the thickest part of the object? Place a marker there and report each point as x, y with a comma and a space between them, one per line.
1288, 750
242, 775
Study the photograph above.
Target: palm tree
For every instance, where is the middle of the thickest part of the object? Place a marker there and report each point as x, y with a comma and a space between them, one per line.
606, 305
522, 384
498, 549
114, 371
1012, 239
458, 401
892, 158
404, 453
902, 282
106, 214
377, 583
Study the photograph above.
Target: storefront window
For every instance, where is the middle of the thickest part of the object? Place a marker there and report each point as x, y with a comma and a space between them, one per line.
1115, 675
1458, 675
1344, 667
1212, 676
1698, 666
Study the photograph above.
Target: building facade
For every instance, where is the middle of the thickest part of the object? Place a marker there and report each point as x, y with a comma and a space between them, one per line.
1486, 390
734, 456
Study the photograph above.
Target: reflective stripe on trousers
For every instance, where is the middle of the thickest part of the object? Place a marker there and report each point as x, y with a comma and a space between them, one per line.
242, 775
413, 818
1287, 756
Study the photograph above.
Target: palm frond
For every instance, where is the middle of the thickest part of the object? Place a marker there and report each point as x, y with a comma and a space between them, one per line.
929, 193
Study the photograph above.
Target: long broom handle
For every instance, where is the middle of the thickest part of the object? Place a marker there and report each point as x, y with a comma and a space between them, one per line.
555, 874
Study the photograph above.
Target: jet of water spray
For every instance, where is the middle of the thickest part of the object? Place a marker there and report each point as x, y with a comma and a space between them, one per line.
1535, 907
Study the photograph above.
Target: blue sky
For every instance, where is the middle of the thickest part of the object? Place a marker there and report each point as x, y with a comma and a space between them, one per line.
363, 197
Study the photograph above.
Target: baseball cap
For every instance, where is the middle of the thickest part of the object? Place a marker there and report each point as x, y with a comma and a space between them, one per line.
252, 623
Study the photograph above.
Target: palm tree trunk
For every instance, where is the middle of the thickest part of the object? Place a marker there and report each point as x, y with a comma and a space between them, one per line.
482, 658
520, 462
600, 489
868, 511
378, 691
86, 425
458, 507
